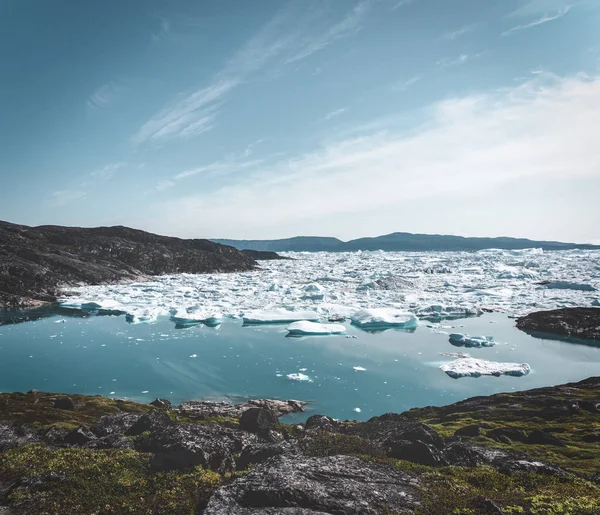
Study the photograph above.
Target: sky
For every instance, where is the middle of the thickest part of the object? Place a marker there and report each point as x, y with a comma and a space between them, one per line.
271, 119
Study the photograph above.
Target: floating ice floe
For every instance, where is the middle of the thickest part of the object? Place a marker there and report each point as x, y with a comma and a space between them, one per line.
305, 327
384, 317
278, 316
299, 377
195, 315
471, 341
359, 369
471, 367
566, 285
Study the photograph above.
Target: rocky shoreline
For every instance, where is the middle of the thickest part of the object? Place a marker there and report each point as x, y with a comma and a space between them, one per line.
532, 452
578, 323
37, 262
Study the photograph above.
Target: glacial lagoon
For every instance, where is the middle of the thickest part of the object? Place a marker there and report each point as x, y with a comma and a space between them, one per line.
353, 376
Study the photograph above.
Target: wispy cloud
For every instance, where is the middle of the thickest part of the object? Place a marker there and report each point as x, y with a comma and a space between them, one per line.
455, 34
405, 84
545, 128
106, 172
104, 96
540, 21
163, 30
401, 3
64, 197
250, 148
350, 24
219, 166
335, 113
461, 59
278, 43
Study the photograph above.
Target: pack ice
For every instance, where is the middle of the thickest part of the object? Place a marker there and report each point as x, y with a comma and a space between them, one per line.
472, 367
431, 285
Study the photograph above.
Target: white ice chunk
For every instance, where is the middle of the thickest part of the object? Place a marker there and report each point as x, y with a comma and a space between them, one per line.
472, 341
195, 315
384, 317
278, 316
299, 377
359, 369
313, 328
471, 367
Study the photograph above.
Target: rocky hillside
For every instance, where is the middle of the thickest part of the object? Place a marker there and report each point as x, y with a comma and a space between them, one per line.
580, 323
534, 452
36, 261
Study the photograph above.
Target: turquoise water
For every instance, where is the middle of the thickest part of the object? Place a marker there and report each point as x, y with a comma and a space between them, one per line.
105, 355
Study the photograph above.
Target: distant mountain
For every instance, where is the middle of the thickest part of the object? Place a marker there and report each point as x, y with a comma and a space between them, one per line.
400, 241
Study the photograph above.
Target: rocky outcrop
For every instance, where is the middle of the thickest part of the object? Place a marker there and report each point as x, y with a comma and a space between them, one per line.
262, 255
572, 322
317, 486
484, 451
36, 262
200, 410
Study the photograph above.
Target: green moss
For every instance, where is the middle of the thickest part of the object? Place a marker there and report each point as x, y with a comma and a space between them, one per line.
37, 410
460, 490
324, 443
113, 481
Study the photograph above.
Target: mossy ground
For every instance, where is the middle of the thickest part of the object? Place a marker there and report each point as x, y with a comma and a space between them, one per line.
37, 409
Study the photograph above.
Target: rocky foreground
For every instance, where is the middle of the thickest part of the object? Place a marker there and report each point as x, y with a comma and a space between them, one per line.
534, 452
580, 323
36, 262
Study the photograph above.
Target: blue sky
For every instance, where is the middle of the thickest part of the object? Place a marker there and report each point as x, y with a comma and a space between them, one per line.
270, 119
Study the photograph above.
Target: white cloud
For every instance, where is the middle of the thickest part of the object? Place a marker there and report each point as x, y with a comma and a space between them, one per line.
335, 113
164, 185
540, 21
63, 197
278, 43
106, 172
544, 129
461, 59
104, 96
401, 3
350, 24
537, 7
455, 34
405, 84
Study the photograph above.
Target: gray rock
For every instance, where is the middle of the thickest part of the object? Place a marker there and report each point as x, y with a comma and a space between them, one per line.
512, 433
162, 403
259, 452
322, 423
311, 486
209, 445
572, 322
539, 437
14, 436
205, 409
114, 424
110, 442
79, 436
256, 420
153, 421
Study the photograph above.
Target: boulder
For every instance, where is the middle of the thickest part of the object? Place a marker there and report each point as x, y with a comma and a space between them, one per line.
162, 403
512, 433
472, 430
153, 421
207, 409
14, 436
258, 420
321, 422
79, 436
117, 424
297, 485
540, 437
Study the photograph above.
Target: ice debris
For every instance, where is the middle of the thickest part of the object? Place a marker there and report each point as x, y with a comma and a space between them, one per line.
278, 316
566, 285
384, 317
299, 377
465, 340
471, 367
305, 327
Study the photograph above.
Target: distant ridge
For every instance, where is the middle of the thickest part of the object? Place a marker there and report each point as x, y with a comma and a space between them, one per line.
399, 241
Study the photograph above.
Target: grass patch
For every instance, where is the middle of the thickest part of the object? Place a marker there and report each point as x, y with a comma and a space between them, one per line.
107, 482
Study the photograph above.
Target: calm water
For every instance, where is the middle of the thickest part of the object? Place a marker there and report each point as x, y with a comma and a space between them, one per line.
105, 355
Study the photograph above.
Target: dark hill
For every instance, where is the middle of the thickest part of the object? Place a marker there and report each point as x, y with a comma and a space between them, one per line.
37, 261
400, 241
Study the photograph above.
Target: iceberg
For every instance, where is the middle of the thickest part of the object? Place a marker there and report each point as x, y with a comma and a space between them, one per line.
184, 317
472, 367
384, 317
305, 327
299, 377
278, 316
465, 340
